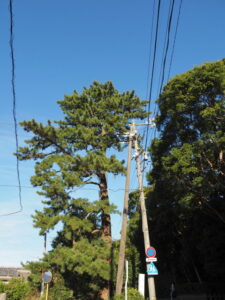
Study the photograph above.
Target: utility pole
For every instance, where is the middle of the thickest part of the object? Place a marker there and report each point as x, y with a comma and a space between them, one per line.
121, 262
151, 281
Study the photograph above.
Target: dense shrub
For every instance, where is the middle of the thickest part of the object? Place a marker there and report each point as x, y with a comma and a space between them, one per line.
16, 289
133, 294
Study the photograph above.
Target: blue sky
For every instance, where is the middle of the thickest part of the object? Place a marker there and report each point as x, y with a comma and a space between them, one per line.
65, 45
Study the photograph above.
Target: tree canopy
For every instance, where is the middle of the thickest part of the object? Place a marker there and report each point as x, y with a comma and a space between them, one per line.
187, 205
71, 153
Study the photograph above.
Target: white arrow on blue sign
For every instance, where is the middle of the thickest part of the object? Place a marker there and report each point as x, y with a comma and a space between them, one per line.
151, 269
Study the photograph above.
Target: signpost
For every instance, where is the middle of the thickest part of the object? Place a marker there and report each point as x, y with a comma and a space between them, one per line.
47, 277
151, 257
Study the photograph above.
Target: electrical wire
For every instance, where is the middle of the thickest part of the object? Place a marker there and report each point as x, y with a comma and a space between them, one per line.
152, 133
166, 51
152, 73
150, 52
164, 62
149, 64
174, 41
12, 56
79, 188
167, 45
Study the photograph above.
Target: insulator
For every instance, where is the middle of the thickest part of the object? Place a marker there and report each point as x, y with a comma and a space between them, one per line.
145, 156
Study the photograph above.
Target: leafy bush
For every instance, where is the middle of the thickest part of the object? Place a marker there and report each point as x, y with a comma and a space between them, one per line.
17, 289
133, 294
2, 287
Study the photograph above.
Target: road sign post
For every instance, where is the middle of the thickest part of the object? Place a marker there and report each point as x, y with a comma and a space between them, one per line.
47, 277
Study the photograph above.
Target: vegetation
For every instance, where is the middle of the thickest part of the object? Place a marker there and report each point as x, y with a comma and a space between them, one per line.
186, 206
71, 153
185, 196
16, 289
131, 295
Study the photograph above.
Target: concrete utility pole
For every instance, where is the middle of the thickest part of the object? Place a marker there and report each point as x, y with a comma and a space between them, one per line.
121, 262
151, 281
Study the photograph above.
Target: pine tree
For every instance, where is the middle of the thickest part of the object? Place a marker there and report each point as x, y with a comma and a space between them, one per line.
71, 153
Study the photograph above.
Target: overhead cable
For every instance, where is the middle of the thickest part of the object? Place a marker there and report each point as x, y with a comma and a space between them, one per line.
167, 45
174, 41
82, 188
166, 51
153, 68
12, 56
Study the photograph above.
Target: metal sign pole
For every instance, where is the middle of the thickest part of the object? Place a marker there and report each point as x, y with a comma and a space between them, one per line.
45, 251
47, 277
126, 280
47, 292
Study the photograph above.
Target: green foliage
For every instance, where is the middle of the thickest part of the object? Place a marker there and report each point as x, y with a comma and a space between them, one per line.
69, 154
132, 294
2, 287
16, 289
188, 174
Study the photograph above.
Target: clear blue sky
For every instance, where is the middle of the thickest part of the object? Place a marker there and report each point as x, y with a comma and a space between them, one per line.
65, 45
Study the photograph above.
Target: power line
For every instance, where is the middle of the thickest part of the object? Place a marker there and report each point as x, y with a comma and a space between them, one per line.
164, 49
167, 44
150, 52
149, 64
164, 62
12, 56
166, 52
153, 68
162, 68
79, 188
174, 41
165, 55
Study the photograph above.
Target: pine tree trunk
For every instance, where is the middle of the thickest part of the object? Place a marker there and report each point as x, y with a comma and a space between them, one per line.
106, 228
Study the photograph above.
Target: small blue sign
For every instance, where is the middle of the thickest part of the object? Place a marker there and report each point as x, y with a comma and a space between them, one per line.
151, 269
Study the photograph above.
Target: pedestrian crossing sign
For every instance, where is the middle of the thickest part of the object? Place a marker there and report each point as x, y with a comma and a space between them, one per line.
151, 269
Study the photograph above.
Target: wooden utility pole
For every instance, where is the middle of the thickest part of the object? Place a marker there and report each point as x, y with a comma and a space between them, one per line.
121, 262
151, 281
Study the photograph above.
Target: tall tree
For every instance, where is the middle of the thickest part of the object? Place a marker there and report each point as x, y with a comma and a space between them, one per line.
188, 171
71, 153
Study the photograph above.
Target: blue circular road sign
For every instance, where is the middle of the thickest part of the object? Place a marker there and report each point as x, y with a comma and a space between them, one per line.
151, 252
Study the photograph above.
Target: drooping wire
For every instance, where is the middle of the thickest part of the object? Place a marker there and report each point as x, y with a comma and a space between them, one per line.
174, 41
12, 56
80, 188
